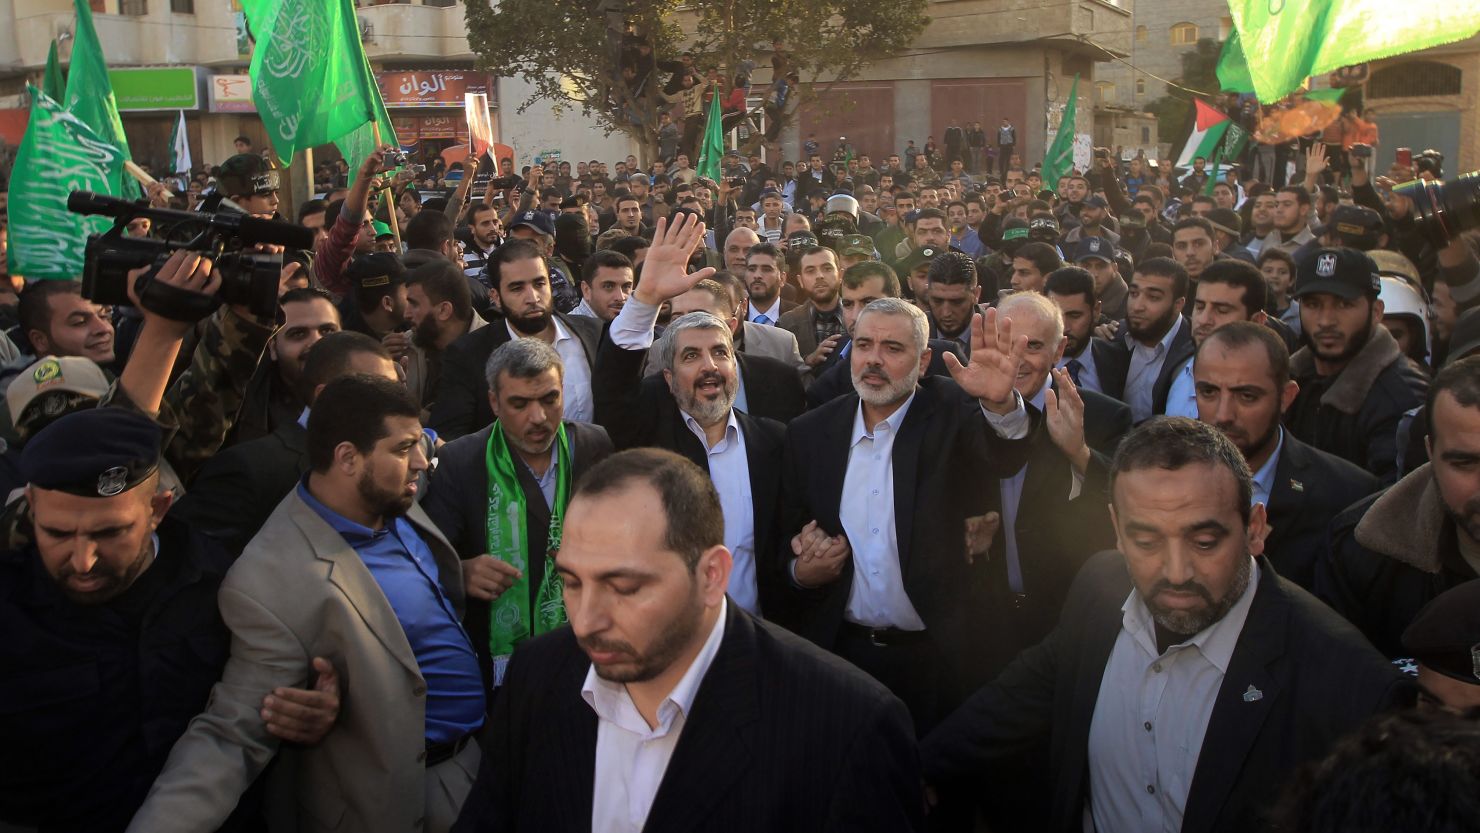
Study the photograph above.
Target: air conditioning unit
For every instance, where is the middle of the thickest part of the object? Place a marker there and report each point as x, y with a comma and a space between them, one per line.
367, 31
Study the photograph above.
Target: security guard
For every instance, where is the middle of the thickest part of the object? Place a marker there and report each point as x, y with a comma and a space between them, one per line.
112, 638
1444, 642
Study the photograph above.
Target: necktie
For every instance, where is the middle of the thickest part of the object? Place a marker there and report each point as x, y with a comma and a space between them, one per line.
762, 318
1074, 367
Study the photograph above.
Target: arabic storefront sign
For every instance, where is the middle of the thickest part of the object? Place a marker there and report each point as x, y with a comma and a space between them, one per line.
410, 129
155, 88
231, 94
433, 88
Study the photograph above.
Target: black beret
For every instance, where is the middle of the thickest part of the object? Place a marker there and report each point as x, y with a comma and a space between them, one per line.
1445, 635
99, 452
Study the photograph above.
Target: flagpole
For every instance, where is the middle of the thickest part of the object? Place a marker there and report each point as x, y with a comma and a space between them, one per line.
144, 178
395, 224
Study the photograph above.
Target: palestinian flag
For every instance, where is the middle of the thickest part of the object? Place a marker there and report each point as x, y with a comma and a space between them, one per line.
1207, 131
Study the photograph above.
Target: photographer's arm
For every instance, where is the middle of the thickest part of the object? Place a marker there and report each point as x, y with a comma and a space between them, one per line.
459, 198
143, 381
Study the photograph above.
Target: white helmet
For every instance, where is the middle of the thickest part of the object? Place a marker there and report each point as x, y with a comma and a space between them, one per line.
1399, 297
842, 203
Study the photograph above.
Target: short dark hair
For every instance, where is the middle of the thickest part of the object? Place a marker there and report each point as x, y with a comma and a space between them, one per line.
330, 357
626, 198
732, 284
302, 295
629, 246
719, 292
1194, 222
33, 310
693, 517
1329, 193
311, 207
513, 250
470, 216
1204, 198
354, 409
1302, 196
930, 214
441, 280
952, 269
1240, 334
770, 250
1280, 255
603, 258
331, 212
855, 275
427, 230
1165, 267
1045, 258
1173, 443
1069, 281
1241, 275
1462, 379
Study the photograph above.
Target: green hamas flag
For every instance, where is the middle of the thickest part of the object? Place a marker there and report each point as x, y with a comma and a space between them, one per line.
1060, 157
713, 148
1283, 42
52, 83
309, 75
59, 154
90, 98
360, 142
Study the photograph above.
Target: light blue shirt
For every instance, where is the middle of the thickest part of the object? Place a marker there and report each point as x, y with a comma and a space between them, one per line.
1146, 363
1182, 395
1264, 478
1089, 378
970, 243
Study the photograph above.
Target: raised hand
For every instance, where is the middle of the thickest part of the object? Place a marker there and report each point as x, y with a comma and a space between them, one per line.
665, 272
1064, 412
995, 358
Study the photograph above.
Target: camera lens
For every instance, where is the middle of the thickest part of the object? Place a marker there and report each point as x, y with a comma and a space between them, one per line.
1443, 210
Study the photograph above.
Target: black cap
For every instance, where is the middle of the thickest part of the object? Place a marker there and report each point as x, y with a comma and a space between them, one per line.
1227, 221
1357, 225
573, 201
1043, 228
1445, 635
802, 238
1346, 273
1094, 248
1097, 201
537, 220
919, 257
247, 174
98, 452
374, 270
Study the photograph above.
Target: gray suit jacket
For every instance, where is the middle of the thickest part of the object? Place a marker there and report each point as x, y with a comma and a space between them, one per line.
300, 591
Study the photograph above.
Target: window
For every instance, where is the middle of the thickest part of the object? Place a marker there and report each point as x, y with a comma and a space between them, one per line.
1145, 135
1415, 78
1141, 34
137, 8
182, 6
1140, 86
1225, 28
1106, 91
1184, 34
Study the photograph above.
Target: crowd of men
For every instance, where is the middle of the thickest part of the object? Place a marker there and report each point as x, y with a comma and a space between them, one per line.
814, 497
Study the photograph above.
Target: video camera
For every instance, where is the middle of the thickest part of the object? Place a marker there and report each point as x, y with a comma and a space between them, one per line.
248, 278
1443, 210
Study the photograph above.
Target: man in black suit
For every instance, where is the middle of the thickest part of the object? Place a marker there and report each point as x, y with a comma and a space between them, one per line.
864, 283
521, 284
1073, 290
875, 496
1186, 679
237, 489
1155, 341
524, 390
690, 408
1243, 388
664, 707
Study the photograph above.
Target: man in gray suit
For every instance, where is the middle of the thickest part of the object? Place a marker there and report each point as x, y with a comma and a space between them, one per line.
712, 296
524, 390
348, 567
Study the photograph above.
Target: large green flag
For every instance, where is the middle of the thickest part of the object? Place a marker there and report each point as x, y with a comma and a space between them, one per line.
360, 142
90, 97
1286, 42
309, 74
59, 154
52, 83
713, 148
1060, 157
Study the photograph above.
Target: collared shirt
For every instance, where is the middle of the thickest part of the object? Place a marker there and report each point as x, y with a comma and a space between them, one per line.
1151, 716
1264, 478
1089, 377
1146, 364
877, 598
407, 574
576, 388
551, 478
773, 315
969, 242
583, 308
827, 323
1182, 395
729, 469
631, 757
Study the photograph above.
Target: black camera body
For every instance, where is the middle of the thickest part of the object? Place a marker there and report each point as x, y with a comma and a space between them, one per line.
248, 278
1443, 210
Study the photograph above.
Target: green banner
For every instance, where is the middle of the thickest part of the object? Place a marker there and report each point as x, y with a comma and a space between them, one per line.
90, 98
53, 83
155, 88
1060, 157
713, 148
59, 154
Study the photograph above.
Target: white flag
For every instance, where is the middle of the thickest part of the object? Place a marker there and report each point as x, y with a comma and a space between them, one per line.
180, 148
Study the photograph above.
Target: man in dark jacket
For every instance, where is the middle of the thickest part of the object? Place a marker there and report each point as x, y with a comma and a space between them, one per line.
1394, 552
1355, 383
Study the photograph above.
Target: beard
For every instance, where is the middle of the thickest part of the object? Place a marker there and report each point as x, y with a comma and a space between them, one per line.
530, 325
1190, 622
1156, 329
115, 581
1466, 518
671, 641
1349, 350
1247, 446
425, 333
388, 503
895, 390
706, 411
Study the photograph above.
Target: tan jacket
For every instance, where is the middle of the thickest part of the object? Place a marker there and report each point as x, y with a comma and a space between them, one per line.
419, 369
300, 591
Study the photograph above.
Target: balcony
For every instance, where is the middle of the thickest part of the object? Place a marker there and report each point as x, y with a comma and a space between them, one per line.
977, 22
150, 33
433, 29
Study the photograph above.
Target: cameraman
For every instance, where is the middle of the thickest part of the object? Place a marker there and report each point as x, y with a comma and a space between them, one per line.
351, 233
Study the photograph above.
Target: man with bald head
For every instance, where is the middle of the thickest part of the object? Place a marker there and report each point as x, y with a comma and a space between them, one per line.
736, 247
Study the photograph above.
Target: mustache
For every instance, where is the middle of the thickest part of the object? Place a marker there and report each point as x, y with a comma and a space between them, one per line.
591, 644
1184, 587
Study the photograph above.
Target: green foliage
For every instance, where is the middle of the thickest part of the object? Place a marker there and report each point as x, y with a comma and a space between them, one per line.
1199, 72
571, 52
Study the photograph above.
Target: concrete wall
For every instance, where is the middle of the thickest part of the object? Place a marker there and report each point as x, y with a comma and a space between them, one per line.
540, 128
1156, 54
1466, 57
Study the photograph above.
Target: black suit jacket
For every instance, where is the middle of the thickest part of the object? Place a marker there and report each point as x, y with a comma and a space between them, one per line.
1310, 488
781, 737
457, 502
773, 389
1318, 679
461, 406
1112, 363
944, 444
640, 411
234, 493
837, 379
1113, 376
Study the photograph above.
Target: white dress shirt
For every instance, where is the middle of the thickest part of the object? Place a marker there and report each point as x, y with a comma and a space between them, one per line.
631, 756
729, 469
1182, 395
576, 389
1150, 718
773, 315
1264, 478
1146, 362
